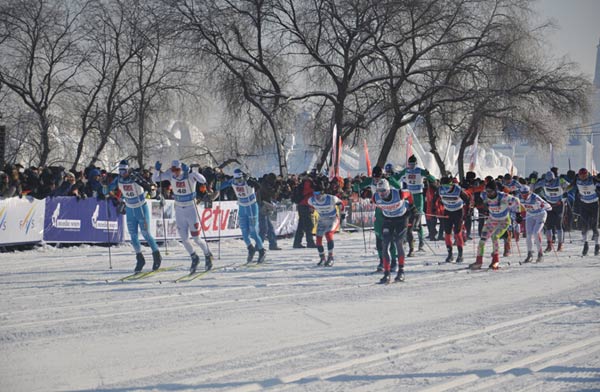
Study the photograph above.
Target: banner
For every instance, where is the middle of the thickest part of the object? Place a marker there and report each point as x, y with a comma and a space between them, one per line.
359, 214
68, 219
21, 220
332, 168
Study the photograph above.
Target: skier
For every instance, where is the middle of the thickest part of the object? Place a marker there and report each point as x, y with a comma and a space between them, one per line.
453, 198
183, 182
413, 177
394, 209
587, 192
133, 189
535, 217
499, 205
245, 191
553, 189
376, 175
328, 207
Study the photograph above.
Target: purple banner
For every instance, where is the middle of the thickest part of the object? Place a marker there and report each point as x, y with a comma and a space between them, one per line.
87, 220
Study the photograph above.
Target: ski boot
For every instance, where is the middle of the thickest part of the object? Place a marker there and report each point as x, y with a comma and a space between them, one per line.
140, 262
528, 258
208, 262
506, 249
596, 250
560, 247
322, 261
449, 258
477, 264
411, 249
586, 247
421, 246
195, 261
394, 265
329, 262
380, 266
251, 252
495, 262
262, 254
459, 258
386, 278
400, 275
549, 247
540, 257
157, 260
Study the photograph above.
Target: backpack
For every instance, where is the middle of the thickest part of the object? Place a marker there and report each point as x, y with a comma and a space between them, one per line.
298, 193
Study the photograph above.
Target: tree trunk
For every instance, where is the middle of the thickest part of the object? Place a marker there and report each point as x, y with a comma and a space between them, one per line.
45, 139
432, 137
388, 143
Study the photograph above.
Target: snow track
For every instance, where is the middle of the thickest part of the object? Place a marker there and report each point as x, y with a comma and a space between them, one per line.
289, 325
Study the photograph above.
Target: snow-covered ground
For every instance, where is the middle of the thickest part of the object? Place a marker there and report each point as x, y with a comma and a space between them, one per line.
67, 324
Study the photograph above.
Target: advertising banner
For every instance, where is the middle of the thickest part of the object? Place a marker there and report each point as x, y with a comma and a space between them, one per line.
360, 214
68, 219
21, 220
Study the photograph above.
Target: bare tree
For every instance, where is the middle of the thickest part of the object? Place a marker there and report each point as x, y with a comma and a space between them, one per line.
40, 43
239, 40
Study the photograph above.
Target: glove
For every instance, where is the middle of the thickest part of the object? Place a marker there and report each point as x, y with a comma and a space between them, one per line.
185, 168
519, 218
157, 165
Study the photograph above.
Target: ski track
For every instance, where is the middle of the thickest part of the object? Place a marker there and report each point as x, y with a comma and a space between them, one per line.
289, 325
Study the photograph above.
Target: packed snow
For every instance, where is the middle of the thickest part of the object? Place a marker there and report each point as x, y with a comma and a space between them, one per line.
68, 324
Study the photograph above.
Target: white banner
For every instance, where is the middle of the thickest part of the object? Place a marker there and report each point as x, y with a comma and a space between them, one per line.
21, 220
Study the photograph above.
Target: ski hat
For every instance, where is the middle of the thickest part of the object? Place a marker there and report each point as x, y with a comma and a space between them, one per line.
69, 174
389, 168
445, 180
124, 165
383, 186
412, 159
524, 189
238, 173
377, 172
549, 176
94, 172
491, 185
583, 172
176, 163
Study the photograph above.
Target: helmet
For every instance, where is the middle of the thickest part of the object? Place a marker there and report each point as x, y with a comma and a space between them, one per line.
383, 187
549, 176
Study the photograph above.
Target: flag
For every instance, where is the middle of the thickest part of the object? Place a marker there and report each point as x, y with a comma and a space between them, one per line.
339, 157
593, 168
552, 156
367, 158
409, 142
512, 161
473, 161
333, 153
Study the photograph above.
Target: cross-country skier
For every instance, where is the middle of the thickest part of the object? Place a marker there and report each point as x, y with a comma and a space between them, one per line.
183, 183
453, 198
553, 190
413, 177
535, 217
134, 188
499, 206
328, 207
394, 209
587, 192
376, 175
244, 189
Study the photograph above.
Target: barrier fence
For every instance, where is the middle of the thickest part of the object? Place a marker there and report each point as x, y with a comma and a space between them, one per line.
70, 220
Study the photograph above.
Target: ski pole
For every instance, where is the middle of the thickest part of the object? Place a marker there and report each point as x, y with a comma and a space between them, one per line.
161, 202
198, 215
362, 221
108, 234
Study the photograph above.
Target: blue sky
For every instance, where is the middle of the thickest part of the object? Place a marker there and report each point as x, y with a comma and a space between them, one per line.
578, 30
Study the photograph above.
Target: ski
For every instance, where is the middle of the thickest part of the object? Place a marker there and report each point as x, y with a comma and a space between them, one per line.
142, 275
198, 274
